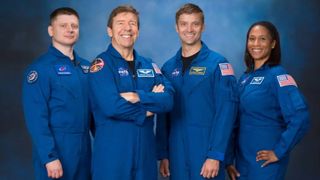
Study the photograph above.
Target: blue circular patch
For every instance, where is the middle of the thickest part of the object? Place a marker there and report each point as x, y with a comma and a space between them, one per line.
32, 76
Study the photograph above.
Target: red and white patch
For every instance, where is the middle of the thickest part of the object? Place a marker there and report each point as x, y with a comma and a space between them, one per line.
156, 68
226, 69
286, 80
96, 65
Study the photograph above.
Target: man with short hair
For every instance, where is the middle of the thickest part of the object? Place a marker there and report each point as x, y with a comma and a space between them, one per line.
193, 137
55, 103
126, 90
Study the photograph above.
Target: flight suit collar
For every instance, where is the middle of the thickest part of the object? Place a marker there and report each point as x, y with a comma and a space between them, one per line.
117, 56
188, 80
204, 52
54, 51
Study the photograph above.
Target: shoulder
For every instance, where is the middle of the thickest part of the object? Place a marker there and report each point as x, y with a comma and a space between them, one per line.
170, 62
282, 77
217, 59
277, 70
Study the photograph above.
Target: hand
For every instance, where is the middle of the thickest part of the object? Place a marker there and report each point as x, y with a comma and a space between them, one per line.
210, 168
164, 168
54, 169
266, 155
232, 172
149, 113
130, 96
158, 88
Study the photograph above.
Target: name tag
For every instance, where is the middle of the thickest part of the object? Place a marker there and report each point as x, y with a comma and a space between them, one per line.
197, 70
256, 80
145, 73
63, 69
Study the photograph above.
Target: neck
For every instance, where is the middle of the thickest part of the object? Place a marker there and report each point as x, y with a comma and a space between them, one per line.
126, 53
189, 50
66, 50
258, 64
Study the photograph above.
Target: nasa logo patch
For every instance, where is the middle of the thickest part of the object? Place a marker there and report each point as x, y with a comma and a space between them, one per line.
32, 77
123, 71
175, 72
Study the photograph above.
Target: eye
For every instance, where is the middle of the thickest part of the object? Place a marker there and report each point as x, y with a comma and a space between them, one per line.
251, 38
63, 25
74, 26
134, 23
196, 24
183, 23
263, 38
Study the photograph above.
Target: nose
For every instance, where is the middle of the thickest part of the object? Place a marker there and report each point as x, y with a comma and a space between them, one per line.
256, 42
189, 28
127, 27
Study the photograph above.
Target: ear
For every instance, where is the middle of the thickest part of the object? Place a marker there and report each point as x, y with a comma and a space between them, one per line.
109, 31
50, 31
176, 27
273, 44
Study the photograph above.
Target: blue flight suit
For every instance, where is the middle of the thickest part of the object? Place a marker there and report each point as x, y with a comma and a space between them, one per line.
124, 146
205, 105
56, 108
273, 115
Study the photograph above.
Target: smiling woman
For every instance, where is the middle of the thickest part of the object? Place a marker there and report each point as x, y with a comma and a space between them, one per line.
267, 131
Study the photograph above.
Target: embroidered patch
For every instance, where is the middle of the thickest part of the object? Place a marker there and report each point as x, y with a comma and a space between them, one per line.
256, 80
63, 69
156, 68
32, 77
197, 70
226, 69
123, 72
286, 80
244, 80
175, 72
85, 68
96, 65
145, 73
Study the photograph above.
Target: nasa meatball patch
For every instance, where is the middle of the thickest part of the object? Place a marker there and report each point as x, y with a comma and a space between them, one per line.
96, 65
32, 77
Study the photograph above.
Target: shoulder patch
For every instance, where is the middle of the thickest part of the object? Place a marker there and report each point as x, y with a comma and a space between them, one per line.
226, 69
96, 65
286, 80
32, 77
156, 68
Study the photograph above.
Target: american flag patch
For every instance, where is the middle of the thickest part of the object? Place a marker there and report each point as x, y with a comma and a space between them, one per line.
286, 80
156, 68
226, 69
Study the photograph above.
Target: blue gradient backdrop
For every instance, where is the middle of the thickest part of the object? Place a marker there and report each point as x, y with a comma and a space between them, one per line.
23, 36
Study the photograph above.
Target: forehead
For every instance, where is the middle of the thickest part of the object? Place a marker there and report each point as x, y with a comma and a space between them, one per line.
125, 16
259, 30
66, 18
190, 17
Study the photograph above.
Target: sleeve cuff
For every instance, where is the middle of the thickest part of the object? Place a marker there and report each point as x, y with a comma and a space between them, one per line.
215, 155
139, 120
162, 155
